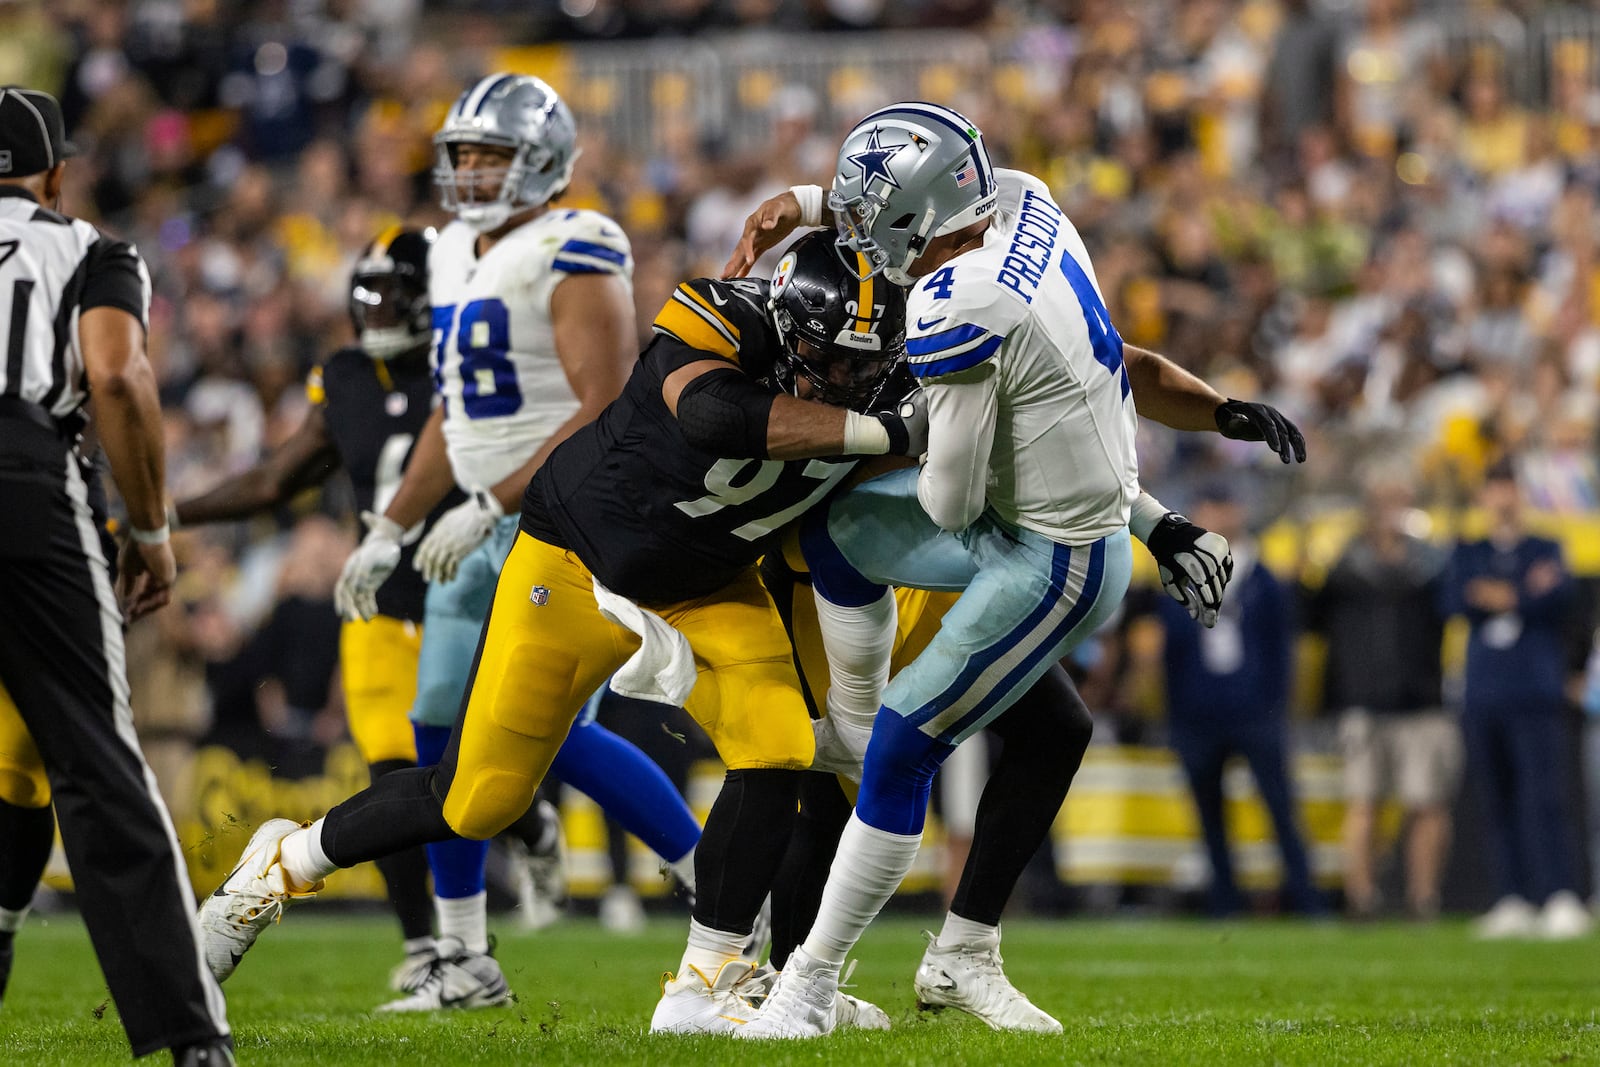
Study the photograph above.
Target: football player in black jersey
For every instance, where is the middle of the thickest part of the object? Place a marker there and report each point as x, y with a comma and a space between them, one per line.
368, 404
736, 420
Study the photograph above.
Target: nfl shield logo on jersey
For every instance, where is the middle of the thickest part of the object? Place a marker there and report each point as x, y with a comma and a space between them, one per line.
540, 595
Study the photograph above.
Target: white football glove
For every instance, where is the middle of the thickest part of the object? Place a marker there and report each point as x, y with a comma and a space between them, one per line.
1195, 564
458, 531
369, 566
841, 747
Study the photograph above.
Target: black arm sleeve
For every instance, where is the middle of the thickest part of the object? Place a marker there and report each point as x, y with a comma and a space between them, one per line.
724, 413
115, 277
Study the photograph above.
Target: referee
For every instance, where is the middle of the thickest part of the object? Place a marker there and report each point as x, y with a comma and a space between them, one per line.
73, 306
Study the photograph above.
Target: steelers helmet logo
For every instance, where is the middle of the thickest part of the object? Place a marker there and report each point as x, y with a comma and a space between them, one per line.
785, 271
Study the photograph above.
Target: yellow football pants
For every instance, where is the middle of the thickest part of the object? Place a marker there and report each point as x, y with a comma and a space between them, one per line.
378, 665
546, 648
22, 779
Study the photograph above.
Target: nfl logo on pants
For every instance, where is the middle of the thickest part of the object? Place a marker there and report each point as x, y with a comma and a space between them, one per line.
540, 595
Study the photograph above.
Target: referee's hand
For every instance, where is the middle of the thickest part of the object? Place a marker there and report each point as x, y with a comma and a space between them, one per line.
145, 574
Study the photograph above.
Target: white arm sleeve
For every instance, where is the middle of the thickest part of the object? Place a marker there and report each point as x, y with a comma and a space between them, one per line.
961, 418
810, 197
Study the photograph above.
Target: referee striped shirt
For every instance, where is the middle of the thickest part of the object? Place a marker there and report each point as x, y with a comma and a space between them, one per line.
52, 269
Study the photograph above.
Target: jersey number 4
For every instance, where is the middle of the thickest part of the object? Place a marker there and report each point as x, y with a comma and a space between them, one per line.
489, 387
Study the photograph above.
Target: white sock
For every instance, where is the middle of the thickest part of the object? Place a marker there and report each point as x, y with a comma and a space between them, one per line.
683, 867
709, 949
466, 918
867, 869
959, 931
11, 921
302, 856
859, 642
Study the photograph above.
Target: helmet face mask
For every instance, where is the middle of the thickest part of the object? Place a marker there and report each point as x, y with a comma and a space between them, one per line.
389, 305
842, 333
906, 174
521, 115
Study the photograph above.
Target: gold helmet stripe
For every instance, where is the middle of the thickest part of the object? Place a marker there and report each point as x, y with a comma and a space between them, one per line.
864, 296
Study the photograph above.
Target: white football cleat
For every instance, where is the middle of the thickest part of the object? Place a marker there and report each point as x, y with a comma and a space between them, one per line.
249, 899
695, 1004
457, 978
621, 912
541, 876
803, 1003
969, 978
1564, 917
408, 974
853, 1012
1510, 917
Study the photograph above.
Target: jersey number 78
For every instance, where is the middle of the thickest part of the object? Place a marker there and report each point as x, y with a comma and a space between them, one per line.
489, 387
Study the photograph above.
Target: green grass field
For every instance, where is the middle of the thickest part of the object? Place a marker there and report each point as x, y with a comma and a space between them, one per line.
1155, 992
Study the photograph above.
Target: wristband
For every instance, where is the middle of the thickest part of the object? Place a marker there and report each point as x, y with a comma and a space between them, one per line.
1146, 515
864, 435
810, 197
158, 536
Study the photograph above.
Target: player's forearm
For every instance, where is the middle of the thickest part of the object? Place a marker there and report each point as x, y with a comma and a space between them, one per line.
251, 493
427, 476
799, 429
127, 412
953, 485
304, 460
1167, 393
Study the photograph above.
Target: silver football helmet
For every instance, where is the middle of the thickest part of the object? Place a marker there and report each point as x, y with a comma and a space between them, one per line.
908, 173
515, 111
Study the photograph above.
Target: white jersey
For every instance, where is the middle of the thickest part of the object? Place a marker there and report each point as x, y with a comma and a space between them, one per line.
495, 365
1062, 461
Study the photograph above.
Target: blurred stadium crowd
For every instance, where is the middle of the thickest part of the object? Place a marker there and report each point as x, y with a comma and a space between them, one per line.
1379, 215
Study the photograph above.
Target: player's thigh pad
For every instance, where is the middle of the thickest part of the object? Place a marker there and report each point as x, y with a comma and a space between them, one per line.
1032, 601
545, 650
452, 622
881, 530
747, 695
378, 666
22, 779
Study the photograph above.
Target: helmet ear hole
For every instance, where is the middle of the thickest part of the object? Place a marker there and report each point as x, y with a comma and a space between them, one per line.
903, 222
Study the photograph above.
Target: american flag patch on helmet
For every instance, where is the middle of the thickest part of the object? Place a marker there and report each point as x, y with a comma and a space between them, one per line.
967, 174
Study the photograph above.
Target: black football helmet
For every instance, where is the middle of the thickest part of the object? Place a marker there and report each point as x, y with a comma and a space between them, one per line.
389, 293
841, 333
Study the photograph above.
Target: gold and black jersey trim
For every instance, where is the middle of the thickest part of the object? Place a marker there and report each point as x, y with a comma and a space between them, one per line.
695, 321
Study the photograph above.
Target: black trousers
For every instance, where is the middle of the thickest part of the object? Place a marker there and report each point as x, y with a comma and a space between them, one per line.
61, 658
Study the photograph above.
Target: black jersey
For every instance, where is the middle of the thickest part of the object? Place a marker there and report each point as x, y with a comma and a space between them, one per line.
656, 519
374, 412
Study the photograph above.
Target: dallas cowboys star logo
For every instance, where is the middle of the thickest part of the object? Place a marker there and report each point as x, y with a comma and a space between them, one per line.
874, 160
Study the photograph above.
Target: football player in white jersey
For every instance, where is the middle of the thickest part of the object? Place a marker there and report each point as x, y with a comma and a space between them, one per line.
1031, 463
533, 335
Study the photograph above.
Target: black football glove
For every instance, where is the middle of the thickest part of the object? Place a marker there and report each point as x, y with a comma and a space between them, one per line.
1195, 564
1243, 420
907, 423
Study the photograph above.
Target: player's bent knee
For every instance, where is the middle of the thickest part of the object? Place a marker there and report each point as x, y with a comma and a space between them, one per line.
491, 801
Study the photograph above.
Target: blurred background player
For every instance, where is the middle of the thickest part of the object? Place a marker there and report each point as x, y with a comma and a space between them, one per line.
369, 402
